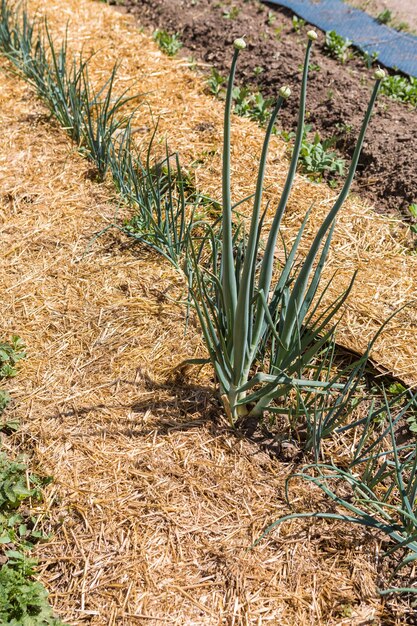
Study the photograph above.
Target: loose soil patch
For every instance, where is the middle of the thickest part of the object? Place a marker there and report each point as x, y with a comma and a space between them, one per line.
337, 96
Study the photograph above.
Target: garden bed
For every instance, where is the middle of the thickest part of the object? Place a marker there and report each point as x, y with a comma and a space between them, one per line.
151, 519
337, 94
156, 499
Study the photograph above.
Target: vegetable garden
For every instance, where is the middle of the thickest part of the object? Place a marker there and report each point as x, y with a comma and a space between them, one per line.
213, 352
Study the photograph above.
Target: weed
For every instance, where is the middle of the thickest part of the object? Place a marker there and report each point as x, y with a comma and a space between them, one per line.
246, 102
412, 209
278, 32
11, 352
316, 157
370, 58
271, 19
216, 82
258, 70
252, 105
337, 46
22, 600
168, 43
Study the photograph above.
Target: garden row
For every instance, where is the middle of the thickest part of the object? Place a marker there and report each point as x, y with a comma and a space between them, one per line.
269, 340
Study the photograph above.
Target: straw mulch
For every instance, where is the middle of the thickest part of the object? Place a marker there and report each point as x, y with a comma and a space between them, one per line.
192, 122
153, 507
154, 504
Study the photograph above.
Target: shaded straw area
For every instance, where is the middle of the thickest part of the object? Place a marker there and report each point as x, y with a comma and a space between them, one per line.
153, 505
192, 121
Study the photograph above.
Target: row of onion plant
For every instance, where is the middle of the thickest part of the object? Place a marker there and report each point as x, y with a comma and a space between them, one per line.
269, 336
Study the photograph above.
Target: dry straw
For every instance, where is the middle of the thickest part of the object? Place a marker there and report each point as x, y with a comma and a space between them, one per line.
152, 507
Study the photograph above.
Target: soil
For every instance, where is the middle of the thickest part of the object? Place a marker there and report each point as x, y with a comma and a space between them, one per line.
337, 95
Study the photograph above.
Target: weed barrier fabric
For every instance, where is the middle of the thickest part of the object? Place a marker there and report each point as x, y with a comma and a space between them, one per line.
395, 49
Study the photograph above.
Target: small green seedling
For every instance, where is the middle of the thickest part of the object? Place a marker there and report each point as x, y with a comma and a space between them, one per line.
168, 43
232, 13
384, 17
297, 23
402, 88
337, 46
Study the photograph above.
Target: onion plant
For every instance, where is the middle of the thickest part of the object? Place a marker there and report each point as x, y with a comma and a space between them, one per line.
160, 195
263, 335
378, 489
102, 120
61, 85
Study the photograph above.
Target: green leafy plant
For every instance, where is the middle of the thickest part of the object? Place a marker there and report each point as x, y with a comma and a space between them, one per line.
231, 13
216, 82
271, 18
316, 157
168, 43
337, 46
252, 105
384, 17
298, 23
262, 339
23, 602
370, 58
10, 354
402, 88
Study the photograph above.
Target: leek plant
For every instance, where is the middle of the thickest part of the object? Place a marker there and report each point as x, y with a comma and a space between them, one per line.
263, 337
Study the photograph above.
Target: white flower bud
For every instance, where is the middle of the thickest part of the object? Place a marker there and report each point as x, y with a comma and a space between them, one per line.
239, 44
285, 92
312, 35
379, 74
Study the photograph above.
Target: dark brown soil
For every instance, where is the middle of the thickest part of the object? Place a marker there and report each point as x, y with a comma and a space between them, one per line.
337, 96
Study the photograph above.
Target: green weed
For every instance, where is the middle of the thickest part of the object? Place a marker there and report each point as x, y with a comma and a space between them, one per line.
23, 601
216, 82
231, 13
10, 354
384, 17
